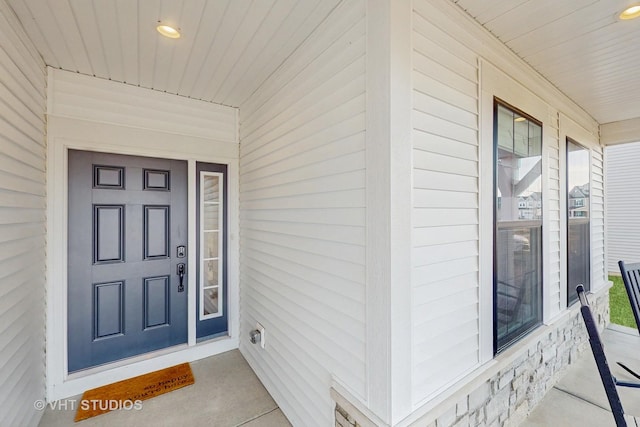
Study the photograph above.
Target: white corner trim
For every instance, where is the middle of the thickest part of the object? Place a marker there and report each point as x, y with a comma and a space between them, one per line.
388, 215
378, 317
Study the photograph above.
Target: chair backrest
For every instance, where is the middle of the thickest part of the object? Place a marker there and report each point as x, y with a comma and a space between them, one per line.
608, 381
631, 279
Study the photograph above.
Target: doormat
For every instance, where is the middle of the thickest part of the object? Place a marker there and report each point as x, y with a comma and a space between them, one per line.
129, 394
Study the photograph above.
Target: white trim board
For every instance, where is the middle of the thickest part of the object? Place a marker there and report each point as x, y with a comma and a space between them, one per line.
620, 132
389, 202
496, 83
64, 133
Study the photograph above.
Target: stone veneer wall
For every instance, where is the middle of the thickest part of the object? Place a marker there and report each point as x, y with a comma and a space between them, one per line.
343, 419
508, 396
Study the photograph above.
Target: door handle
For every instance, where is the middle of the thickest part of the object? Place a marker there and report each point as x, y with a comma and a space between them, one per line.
181, 271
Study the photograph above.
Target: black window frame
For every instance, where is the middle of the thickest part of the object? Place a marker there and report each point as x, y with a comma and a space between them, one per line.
528, 328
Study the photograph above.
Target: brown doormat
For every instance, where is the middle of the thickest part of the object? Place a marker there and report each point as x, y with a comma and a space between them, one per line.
129, 394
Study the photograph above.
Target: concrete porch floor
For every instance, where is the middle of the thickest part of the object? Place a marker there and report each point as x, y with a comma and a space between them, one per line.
226, 393
578, 399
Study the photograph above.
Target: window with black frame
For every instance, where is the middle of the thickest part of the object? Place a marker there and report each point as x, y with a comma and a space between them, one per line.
518, 225
578, 235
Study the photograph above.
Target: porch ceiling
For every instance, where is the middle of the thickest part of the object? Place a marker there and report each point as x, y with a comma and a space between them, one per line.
227, 50
580, 46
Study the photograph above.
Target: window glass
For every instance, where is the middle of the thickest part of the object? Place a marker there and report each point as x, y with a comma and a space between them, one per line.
578, 246
210, 279
518, 228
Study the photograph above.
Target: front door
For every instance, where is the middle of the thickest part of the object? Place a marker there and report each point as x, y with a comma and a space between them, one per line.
127, 240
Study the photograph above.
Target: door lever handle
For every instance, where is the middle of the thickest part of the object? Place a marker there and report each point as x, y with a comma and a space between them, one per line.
181, 271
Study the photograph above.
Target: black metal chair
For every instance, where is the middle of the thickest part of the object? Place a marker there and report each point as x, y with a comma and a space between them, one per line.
631, 279
608, 380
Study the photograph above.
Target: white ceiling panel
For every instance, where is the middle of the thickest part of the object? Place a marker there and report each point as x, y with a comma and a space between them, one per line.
580, 46
227, 50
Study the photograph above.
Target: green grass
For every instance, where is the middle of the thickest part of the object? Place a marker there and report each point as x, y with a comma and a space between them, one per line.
620, 309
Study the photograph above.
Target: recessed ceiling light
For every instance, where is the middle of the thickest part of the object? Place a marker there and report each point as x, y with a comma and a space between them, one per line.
630, 12
168, 31
519, 119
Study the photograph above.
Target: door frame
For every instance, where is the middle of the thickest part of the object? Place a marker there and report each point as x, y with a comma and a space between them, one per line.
59, 383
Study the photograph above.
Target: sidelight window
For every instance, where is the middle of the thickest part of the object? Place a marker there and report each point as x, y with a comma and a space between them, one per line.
211, 253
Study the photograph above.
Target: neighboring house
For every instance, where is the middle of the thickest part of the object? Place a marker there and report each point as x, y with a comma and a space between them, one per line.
623, 203
530, 207
345, 200
578, 201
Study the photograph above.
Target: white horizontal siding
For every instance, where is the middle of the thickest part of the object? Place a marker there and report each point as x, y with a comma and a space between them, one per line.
82, 97
446, 293
551, 241
599, 271
623, 229
302, 184
445, 313
22, 224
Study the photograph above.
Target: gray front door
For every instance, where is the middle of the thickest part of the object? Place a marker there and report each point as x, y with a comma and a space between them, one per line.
127, 239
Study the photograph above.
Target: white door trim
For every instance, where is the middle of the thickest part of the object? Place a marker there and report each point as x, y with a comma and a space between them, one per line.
59, 384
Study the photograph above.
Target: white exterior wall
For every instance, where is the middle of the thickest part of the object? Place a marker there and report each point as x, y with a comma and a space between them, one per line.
599, 273
445, 327
289, 233
552, 190
302, 203
458, 68
22, 224
303, 207
87, 113
623, 203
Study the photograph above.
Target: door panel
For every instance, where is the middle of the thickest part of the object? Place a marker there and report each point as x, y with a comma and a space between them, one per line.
156, 301
108, 238
108, 303
156, 231
126, 215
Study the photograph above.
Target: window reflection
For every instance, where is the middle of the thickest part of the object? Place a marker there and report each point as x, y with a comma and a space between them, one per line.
578, 246
518, 239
